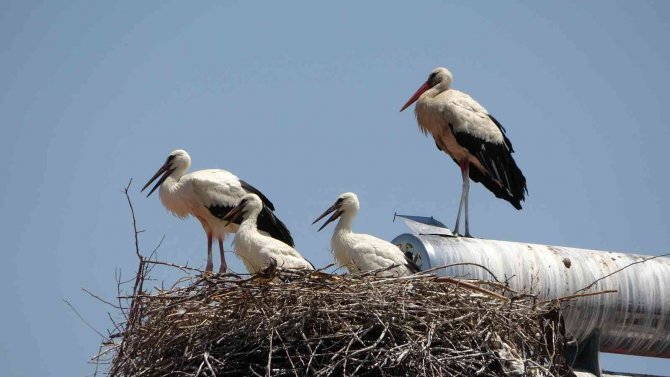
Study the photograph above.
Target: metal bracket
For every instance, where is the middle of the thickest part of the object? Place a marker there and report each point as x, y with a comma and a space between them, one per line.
585, 356
422, 225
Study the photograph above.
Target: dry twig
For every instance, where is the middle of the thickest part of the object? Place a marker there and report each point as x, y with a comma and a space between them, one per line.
619, 270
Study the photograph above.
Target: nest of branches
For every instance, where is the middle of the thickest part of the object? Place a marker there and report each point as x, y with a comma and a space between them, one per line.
287, 323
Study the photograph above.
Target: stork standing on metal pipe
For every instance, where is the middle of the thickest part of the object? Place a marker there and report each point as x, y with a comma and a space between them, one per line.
362, 252
257, 250
208, 195
473, 138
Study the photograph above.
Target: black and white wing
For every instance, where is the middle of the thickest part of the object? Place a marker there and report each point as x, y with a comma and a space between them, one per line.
484, 137
220, 191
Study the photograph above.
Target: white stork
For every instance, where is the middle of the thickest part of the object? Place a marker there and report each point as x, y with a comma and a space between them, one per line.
208, 195
257, 250
464, 130
362, 252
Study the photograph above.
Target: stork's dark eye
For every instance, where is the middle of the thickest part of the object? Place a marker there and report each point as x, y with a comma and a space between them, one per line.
432, 78
170, 158
339, 200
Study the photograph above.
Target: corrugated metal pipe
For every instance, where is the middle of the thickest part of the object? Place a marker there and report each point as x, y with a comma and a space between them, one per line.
633, 321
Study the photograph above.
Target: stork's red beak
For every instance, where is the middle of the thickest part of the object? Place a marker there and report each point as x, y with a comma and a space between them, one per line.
334, 208
166, 171
416, 95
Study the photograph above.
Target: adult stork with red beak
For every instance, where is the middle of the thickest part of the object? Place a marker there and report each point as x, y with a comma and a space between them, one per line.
473, 138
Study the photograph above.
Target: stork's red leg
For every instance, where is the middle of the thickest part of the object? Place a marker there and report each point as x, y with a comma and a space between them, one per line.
464, 190
224, 266
465, 194
210, 264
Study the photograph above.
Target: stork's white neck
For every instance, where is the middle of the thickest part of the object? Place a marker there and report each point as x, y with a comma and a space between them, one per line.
180, 171
344, 225
433, 92
341, 241
428, 109
250, 219
170, 195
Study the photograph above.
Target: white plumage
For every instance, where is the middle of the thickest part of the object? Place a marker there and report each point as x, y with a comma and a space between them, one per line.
208, 195
362, 252
471, 136
256, 250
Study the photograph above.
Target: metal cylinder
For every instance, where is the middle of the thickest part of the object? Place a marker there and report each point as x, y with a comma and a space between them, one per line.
634, 321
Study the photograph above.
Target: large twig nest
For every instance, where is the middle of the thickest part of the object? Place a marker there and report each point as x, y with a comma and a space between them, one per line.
319, 324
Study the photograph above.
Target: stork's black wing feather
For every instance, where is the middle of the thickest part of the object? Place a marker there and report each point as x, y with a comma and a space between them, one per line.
412, 267
503, 177
220, 211
268, 222
251, 189
410, 264
502, 131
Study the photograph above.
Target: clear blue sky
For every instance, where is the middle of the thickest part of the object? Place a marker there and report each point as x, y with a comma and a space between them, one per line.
302, 101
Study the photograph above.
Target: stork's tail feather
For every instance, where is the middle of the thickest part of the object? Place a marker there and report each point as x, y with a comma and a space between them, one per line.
269, 223
496, 189
501, 176
510, 185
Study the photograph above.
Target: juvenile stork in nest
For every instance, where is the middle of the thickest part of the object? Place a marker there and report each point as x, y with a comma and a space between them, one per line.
362, 252
473, 138
257, 250
208, 195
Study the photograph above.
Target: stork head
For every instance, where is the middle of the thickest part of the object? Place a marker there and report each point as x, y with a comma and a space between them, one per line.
345, 203
249, 205
176, 165
440, 78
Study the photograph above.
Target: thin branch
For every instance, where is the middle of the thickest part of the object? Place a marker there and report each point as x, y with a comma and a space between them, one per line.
180, 267
82, 319
140, 276
472, 287
619, 270
268, 368
100, 299
132, 213
97, 361
461, 264
566, 298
